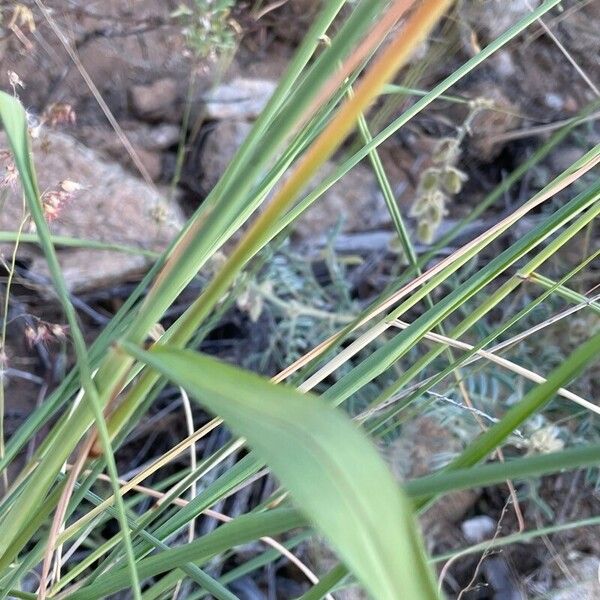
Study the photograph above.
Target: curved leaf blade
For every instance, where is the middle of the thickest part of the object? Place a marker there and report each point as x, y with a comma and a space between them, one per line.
333, 472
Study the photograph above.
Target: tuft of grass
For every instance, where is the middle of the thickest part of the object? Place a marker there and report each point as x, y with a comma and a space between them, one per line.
321, 449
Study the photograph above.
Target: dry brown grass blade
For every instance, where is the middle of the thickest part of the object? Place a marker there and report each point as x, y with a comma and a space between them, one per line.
61, 507
547, 322
417, 282
374, 39
494, 350
162, 496
59, 515
504, 363
384, 67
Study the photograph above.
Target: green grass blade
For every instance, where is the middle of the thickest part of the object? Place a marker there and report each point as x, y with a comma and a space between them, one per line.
483, 308
328, 466
242, 530
395, 348
534, 401
521, 468
415, 109
561, 290
202, 247
73, 242
326, 583
495, 436
206, 229
14, 121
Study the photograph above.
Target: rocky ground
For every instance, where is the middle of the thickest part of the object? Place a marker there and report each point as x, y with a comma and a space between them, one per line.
83, 64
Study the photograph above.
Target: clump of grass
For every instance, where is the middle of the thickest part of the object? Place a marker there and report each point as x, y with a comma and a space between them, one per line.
389, 352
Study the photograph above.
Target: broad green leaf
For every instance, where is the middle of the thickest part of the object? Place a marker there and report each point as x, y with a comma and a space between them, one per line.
494, 437
333, 472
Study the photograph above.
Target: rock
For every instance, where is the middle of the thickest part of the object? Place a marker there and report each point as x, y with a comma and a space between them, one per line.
159, 137
503, 64
491, 18
241, 98
416, 452
422, 445
148, 142
151, 160
533, 72
113, 206
501, 579
222, 142
554, 101
157, 101
111, 50
579, 34
585, 581
355, 199
479, 528
302, 14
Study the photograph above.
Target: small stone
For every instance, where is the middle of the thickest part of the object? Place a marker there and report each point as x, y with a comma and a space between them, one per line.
355, 201
501, 579
504, 64
222, 142
478, 528
579, 34
159, 137
151, 160
156, 101
147, 141
571, 104
491, 18
554, 101
242, 99
111, 206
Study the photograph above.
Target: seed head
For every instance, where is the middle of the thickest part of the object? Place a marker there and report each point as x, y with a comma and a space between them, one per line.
70, 187
53, 201
43, 332
11, 176
453, 179
59, 113
23, 16
15, 81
